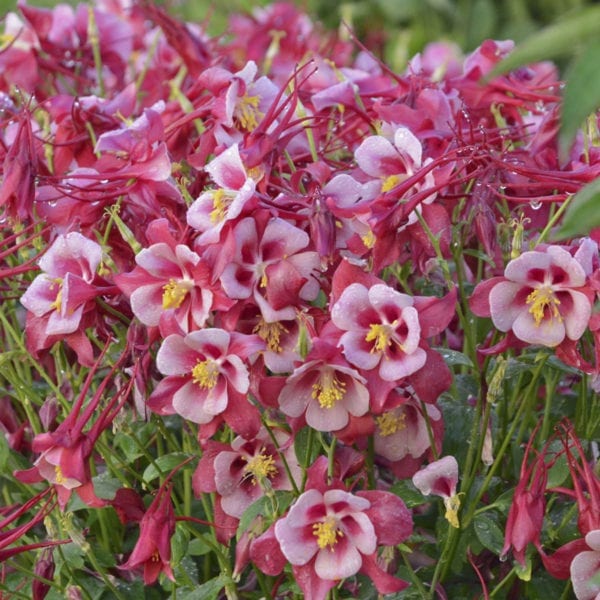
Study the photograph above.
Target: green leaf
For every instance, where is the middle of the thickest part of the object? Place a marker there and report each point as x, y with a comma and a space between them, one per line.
584, 212
207, 591
165, 463
106, 486
581, 95
453, 357
264, 506
301, 446
558, 39
411, 496
488, 533
4, 452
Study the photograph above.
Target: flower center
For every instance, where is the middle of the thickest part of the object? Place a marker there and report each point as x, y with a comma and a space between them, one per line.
221, 202
261, 467
369, 239
205, 373
328, 390
57, 304
389, 423
391, 182
271, 334
247, 112
174, 293
540, 299
327, 533
59, 477
379, 333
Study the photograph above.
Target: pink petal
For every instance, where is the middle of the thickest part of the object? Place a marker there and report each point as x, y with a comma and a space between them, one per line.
503, 307
408, 144
550, 332
175, 357
227, 169
393, 369
343, 562
577, 318
371, 154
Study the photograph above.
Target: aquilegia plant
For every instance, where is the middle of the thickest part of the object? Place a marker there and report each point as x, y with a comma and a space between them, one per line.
279, 322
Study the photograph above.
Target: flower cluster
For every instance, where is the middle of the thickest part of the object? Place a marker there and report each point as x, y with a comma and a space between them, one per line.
250, 268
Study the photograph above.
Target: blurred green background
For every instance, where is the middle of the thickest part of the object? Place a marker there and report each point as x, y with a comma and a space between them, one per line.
396, 29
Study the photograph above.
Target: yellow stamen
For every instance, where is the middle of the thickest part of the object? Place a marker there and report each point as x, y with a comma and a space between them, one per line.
391, 182
271, 334
261, 467
368, 239
174, 293
247, 112
206, 373
57, 304
452, 505
380, 334
327, 533
389, 423
539, 300
328, 390
221, 202
59, 477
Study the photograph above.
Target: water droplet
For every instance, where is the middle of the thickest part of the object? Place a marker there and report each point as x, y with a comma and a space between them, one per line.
503, 557
535, 204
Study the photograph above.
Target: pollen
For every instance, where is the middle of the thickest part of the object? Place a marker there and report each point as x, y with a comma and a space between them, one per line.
261, 467
271, 334
328, 390
452, 504
206, 373
368, 239
391, 182
247, 112
59, 477
174, 293
380, 334
539, 300
327, 533
221, 202
57, 304
390, 423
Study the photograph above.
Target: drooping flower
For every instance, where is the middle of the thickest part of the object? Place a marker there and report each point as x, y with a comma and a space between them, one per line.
381, 329
541, 298
440, 478
152, 552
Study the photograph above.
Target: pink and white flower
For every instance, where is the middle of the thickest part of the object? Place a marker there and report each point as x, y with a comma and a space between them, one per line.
440, 478
62, 292
541, 298
326, 390
213, 208
381, 329
585, 569
205, 375
270, 266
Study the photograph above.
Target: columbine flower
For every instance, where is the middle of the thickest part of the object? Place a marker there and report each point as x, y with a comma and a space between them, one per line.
209, 213
440, 478
381, 328
246, 470
401, 432
585, 569
541, 297
325, 389
61, 293
269, 266
152, 551
206, 376
170, 279
333, 534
